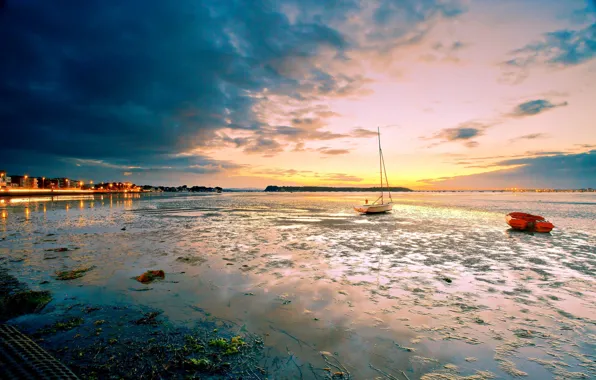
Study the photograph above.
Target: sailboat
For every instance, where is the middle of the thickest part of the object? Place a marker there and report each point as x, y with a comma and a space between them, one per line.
379, 205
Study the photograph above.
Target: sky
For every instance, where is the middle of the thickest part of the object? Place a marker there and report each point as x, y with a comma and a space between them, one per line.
467, 94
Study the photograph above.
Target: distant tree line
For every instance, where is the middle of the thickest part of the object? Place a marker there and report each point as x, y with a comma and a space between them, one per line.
272, 188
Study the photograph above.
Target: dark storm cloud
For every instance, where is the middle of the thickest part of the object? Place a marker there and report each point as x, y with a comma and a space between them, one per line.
142, 81
564, 171
91, 80
534, 107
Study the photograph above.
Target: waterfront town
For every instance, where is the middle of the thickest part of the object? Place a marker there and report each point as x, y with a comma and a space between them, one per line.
23, 181
19, 184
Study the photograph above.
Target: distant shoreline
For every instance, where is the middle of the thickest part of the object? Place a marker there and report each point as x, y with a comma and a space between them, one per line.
59, 192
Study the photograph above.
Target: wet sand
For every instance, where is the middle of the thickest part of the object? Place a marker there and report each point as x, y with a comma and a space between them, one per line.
438, 289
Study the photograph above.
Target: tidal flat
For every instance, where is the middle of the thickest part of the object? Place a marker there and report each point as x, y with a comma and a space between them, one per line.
297, 285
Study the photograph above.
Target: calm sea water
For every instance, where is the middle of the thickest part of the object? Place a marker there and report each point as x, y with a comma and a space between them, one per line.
439, 287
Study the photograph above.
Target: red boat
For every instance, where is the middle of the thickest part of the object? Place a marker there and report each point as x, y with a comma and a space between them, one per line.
528, 222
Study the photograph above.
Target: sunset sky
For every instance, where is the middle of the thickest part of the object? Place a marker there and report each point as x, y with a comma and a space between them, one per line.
467, 94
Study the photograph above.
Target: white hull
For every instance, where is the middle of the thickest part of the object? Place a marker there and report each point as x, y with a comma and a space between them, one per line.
372, 209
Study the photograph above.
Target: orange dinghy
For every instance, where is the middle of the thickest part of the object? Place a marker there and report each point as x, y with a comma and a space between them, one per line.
528, 222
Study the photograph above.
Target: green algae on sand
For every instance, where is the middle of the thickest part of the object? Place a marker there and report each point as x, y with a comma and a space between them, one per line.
17, 299
25, 302
72, 274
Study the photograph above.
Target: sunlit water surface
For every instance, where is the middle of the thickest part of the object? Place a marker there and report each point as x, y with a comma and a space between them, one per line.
439, 286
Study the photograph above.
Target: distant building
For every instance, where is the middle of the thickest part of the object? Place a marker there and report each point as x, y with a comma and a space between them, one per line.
62, 183
31, 183
44, 183
50, 183
3, 181
17, 180
23, 181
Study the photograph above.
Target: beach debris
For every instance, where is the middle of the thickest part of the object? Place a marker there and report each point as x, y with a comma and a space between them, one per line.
72, 274
90, 309
191, 260
447, 279
148, 319
404, 348
151, 275
60, 249
123, 229
523, 333
140, 289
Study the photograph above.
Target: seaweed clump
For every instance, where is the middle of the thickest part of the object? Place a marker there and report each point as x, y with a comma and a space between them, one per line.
24, 302
151, 275
63, 325
72, 274
229, 348
17, 299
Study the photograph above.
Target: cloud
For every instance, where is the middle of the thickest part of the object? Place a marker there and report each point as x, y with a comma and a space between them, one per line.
333, 152
306, 175
265, 146
91, 80
534, 107
496, 161
444, 52
588, 146
340, 177
465, 133
561, 48
556, 50
363, 133
563, 171
531, 136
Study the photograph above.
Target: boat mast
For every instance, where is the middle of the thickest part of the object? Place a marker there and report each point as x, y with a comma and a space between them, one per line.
380, 163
